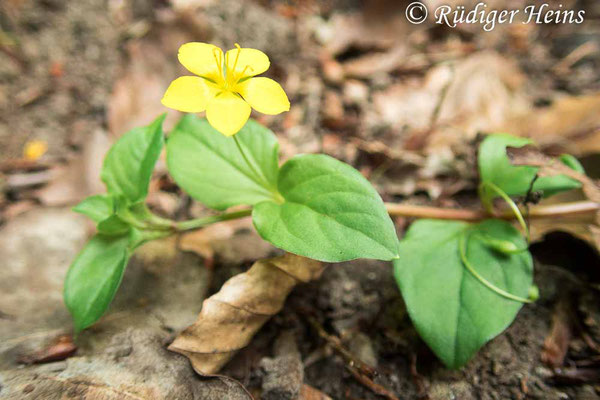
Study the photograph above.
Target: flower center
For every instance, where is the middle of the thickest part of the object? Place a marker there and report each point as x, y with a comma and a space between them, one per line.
228, 76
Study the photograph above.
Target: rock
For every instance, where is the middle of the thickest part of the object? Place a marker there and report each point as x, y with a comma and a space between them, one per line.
454, 391
124, 354
36, 249
361, 346
149, 372
283, 374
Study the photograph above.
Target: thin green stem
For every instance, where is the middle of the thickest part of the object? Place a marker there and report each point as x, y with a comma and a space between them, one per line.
511, 204
462, 248
204, 221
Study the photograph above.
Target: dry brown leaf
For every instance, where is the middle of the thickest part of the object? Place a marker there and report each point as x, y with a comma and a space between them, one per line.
438, 116
549, 166
595, 231
61, 348
310, 393
373, 63
202, 241
571, 125
580, 226
232, 242
557, 342
586, 227
230, 318
363, 31
455, 101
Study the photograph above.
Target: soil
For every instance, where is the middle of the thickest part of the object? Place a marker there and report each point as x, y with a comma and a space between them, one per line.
56, 85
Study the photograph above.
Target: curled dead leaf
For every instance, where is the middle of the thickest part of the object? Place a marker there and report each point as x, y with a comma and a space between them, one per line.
549, 166
230, 318
585, 227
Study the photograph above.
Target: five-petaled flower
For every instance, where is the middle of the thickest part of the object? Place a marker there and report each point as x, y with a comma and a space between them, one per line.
226, 86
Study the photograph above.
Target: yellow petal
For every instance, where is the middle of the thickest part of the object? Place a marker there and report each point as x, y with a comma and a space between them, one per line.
202, 59
250, 62
264, 95
227, 113
189, 94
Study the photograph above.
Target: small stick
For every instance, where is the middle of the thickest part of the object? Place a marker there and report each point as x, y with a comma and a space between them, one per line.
557, 210
336, 343
361, 371
375, 387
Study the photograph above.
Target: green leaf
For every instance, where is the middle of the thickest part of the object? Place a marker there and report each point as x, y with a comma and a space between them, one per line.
97, 208
453, 311
113, 226
129, 163
209, 166
495, 167
330, 213
94, 278
572, 163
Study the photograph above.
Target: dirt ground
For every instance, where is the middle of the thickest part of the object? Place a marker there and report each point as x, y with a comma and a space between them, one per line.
402, 103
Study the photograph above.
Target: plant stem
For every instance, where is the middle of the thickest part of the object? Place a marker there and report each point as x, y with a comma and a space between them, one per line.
204, 221
511, 204
462, 214
409, 210
462, 248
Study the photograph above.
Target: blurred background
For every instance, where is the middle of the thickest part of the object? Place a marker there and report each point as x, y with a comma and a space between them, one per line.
404, 103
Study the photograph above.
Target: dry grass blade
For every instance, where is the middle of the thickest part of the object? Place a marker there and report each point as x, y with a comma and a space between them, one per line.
230, 318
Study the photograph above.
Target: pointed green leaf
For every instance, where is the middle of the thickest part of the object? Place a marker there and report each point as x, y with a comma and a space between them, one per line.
210, 167
94, 277
453, 311
495, 167
113, 226
330, 213
129, 163
97, 208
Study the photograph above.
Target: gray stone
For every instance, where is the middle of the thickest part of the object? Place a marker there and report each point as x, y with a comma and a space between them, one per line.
124, 354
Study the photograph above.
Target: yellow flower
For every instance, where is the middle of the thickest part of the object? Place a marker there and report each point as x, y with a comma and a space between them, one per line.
226, 86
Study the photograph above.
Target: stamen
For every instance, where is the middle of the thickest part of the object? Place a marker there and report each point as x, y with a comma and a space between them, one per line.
243, 73
237, 56
217, 55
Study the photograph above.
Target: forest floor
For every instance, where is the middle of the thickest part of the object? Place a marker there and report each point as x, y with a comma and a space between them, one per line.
405, 104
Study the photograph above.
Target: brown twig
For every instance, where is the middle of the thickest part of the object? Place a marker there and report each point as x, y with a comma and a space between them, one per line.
375, 387
417, 378
361, 371
336, 343
557, 210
